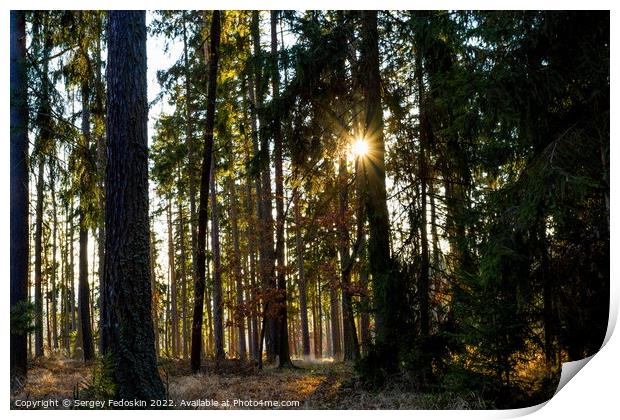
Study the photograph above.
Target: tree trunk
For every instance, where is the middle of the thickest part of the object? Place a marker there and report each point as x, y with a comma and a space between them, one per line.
218, 304
183, 278
267, 257
154, 292
101, 161
423, 285
84, 326
191, 151
127, 263
199, 288
174, 314
84, 329
376, 202
239, 318
54, 291
303, 305
19, 247
253, 295
349, 333
38, 249
284, 358
334, 316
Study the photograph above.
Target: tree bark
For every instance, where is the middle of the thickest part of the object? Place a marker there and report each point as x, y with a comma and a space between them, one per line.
423, 286
349, 334
191, 150
174, 314
284, 357
218, 304
19, 247
84, 325
38, 249
54, 291
199, 287
376, 202
127, 263
239, 318
183, 278
267, 254
303, 304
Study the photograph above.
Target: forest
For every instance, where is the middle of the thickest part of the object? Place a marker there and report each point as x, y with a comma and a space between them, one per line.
306, 209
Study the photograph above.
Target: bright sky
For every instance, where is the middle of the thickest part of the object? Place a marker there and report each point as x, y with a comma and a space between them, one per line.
158, 59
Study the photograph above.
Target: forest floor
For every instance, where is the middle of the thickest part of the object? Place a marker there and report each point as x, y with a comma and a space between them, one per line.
233, 384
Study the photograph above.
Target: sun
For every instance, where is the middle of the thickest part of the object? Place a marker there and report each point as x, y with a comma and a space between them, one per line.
359, 148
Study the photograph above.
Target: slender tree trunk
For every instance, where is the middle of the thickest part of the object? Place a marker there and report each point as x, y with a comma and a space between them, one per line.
127, 263
334, 315
154, 291
191, 150
423, 286
349, 333
54, 291
19, 247
218, 304
72, 308
101, 162
284, 358
85, 331
315, 332
183, 278
434, 234
174, 314
199, 287
38, 249
303, 305
84, 324
320, 317
239, 318
47, 309
253, 295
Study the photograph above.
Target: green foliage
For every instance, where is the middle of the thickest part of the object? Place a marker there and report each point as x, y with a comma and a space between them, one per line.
22, 318
101, 385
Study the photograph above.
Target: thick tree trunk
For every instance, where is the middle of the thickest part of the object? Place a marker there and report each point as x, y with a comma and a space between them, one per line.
199, 288
127, 263
19, 246
376, 202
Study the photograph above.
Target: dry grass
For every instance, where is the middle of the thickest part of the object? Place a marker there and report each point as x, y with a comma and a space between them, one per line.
53, 378
315, 384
